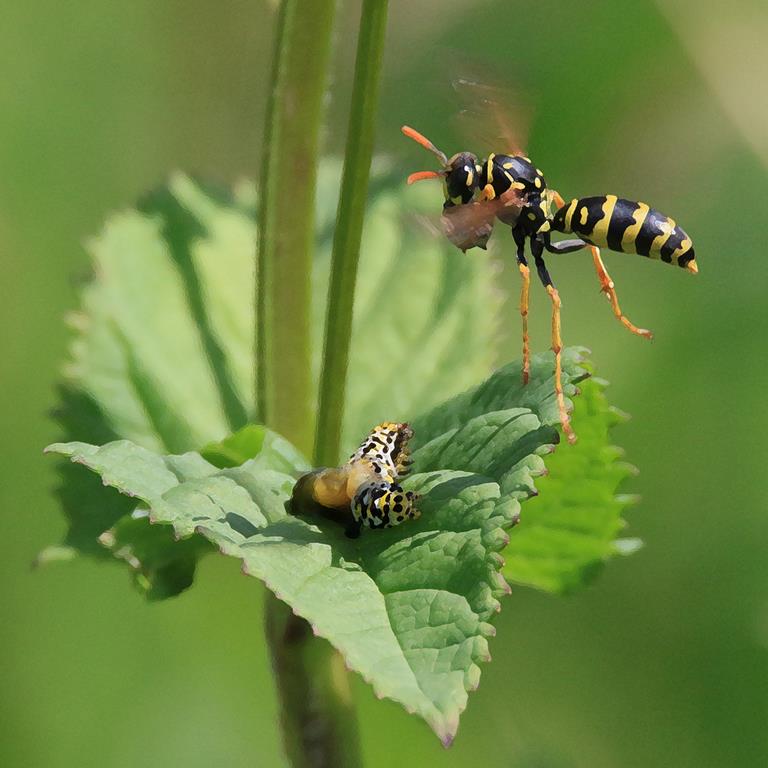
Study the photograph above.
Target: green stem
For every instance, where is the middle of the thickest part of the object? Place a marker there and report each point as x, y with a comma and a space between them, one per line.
319, 728
317, 717
349, 227
287, 217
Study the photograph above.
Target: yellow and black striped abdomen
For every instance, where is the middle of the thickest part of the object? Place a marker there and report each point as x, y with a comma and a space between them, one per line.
612, 222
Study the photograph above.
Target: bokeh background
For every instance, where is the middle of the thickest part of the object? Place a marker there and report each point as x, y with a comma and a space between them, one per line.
664, 661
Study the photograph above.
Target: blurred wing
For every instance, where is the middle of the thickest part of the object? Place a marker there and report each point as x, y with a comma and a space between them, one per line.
492, 116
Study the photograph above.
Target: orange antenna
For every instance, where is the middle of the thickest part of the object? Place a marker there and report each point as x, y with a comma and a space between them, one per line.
425, 142
421, 175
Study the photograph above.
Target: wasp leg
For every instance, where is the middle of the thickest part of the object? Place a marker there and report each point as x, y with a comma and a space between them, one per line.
606, 286
525, 273
564, 246
537, 247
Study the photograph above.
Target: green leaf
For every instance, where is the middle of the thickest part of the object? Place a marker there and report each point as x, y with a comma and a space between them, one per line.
163, 349
505, 388
161, 356
570, 529
409, 607
161, 565
270, 450
172, 292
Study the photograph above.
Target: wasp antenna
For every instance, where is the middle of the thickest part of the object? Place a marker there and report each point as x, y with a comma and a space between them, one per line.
421, 175
425, 142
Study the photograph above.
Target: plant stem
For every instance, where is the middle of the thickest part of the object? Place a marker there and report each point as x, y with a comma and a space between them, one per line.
317, 717
349, 227
287, 217
318, 721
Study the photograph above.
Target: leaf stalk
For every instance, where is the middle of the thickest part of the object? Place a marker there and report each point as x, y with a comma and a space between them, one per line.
348, 232
317, 715
286, 218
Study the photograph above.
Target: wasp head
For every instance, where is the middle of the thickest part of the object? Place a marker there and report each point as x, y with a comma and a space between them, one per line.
460, 173
461, 178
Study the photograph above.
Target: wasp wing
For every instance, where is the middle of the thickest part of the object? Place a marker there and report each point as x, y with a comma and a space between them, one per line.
493, 117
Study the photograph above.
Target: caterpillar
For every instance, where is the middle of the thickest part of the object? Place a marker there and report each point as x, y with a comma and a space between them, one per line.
364, 492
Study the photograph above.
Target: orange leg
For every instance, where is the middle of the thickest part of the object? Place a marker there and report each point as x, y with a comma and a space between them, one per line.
557, 346
557, 198
525, 273
606, 286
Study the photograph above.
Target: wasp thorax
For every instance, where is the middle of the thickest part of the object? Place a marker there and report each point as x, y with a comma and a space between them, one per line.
461, 177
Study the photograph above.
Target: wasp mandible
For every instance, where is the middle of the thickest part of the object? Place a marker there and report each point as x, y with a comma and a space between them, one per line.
510, 188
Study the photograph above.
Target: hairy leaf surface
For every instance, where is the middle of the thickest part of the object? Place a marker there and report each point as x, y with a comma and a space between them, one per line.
571, 527
570, 530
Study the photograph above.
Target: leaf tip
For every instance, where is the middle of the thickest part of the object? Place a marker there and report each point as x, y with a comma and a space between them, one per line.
446, 729
487, 630
628, 546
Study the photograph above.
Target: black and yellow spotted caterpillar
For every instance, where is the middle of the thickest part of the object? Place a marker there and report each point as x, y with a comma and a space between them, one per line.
365, 491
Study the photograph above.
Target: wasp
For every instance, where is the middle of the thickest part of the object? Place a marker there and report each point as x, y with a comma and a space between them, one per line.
511, 189
363, 492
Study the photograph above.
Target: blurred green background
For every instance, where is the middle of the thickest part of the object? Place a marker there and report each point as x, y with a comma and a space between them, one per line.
664, 661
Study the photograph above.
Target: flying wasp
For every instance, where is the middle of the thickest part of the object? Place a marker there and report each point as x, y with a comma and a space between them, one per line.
511, 189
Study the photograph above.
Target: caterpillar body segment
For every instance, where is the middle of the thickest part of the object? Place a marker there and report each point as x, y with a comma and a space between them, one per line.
365, 491
386, 446
383, 505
